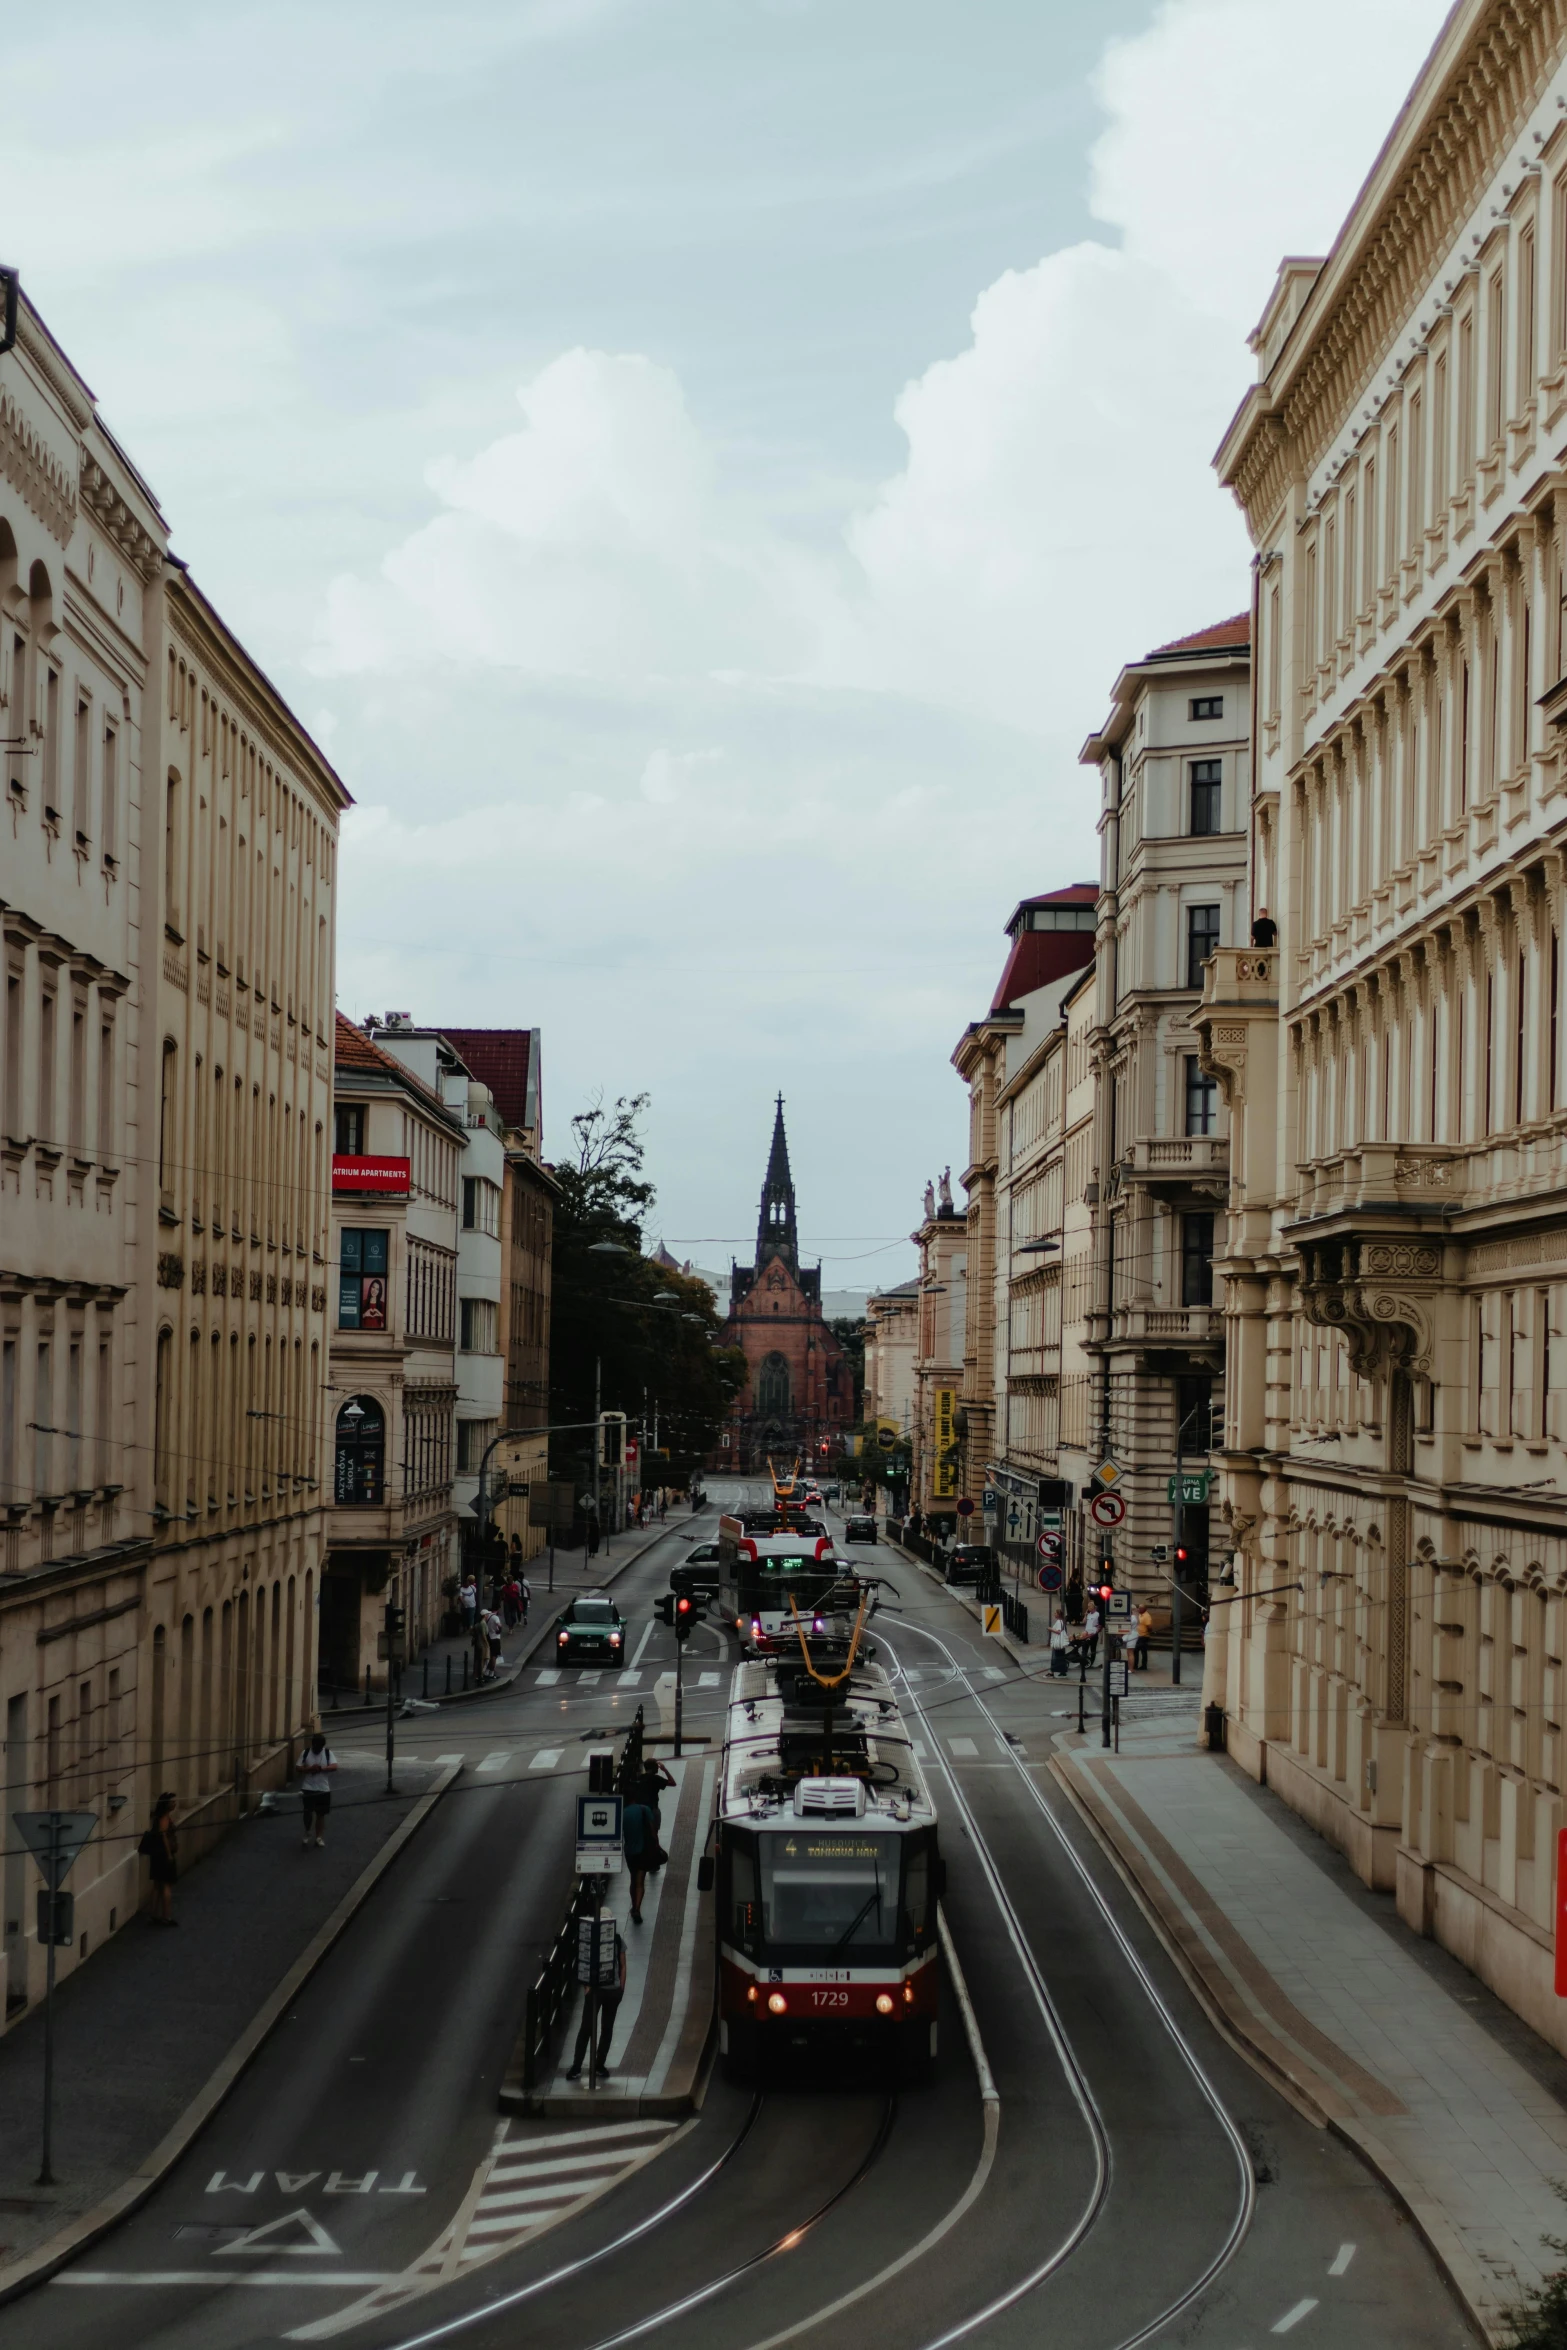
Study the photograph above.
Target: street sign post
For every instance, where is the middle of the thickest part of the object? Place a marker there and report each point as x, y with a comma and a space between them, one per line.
1108, 1473
1049, 1578
965, 1507
1190, 1488
600, 1839
54, 1838
991, 1620
990, 1502
1107, 1510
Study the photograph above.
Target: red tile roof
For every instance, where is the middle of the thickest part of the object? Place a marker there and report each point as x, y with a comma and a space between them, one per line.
354, 1050
498, 1057
1236, 632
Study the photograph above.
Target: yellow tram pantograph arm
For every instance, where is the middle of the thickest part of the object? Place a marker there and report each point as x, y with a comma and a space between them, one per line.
830, 1680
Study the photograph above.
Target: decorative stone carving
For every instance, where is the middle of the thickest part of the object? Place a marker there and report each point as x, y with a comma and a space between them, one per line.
1380, 1294
34, 470
103, 500
171, 1272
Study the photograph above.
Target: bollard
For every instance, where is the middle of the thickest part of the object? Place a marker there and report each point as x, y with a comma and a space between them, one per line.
448, 1673
367, 1684
1213, 1724
465, 1668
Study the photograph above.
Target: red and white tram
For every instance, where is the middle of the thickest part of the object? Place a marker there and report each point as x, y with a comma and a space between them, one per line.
827, 1872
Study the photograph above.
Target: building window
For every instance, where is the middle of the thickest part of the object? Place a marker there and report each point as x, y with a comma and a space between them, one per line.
772, 1387
1206, 706
481, 1205
361, 1278
474, 1438
349, 1131
1194, 1407
1197, 1260
1202, 1099
1206, 778
478, 1325
361, 1454
1202, 937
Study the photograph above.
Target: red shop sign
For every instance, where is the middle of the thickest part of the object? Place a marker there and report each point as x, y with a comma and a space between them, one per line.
370, 1174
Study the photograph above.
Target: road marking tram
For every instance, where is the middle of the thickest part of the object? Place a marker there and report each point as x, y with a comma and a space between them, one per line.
827, 1869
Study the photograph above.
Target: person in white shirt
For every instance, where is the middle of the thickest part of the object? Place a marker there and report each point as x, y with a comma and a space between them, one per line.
316, 1766
1091, 1635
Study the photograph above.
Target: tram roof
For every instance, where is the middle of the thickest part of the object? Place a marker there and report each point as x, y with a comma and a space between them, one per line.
755, 1772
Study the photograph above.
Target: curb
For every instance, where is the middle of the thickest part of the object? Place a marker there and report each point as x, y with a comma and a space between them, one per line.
1020, 1657
39, 2266
377, 1712
1465, 2278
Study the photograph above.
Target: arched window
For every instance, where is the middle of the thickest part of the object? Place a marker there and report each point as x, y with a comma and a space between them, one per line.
361, 1453
772, 1387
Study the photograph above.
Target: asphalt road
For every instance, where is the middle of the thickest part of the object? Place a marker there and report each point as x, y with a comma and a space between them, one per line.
1136, 2181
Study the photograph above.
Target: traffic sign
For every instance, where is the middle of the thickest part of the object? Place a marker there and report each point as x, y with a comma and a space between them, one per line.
1048, 1544
965, 1507
990, 1620
1049, 1578
54, 1839
1108, 1473
1193, 1487
990, 1502
1107, 1510
599, 1836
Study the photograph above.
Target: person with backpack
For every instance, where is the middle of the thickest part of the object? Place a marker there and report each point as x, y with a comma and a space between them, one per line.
159, 1847
316, 1766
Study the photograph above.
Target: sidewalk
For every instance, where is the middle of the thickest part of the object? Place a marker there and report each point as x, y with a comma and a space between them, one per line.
1373, 2032
150, 2032
666, 2016
573, 1573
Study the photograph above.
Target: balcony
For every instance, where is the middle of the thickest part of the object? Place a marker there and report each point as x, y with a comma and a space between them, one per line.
1408, 1180
1162, 1163
1142, 1328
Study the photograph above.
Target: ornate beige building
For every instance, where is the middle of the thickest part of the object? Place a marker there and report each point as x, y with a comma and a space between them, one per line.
166, 903
1395, 1446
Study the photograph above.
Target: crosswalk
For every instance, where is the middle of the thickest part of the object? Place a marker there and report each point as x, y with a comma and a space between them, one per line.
586, 1677
525, 2185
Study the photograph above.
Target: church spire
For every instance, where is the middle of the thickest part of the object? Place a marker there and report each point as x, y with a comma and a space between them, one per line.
775, 1232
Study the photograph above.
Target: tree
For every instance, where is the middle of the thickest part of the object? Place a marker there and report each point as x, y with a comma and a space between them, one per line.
850, 1335
603, 1309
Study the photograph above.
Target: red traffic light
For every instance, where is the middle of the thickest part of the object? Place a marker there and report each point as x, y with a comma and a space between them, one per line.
1107, 1591
1182, 1554
682, 1606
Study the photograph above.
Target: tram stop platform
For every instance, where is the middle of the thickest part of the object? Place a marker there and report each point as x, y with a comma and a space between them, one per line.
665, 2025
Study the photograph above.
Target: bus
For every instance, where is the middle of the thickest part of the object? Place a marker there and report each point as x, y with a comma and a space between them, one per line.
826, 1873
766, 1580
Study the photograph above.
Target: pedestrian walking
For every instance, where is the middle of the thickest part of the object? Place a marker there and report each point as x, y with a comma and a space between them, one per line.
1129, 1642
480, 1640
650, 1790
160, 1849
494, 1632
639, 1834
1144, 1635
1060, 1644
511, 1602
1091, 1636
316, 1767
468, 1600
524, 1595
609, 1998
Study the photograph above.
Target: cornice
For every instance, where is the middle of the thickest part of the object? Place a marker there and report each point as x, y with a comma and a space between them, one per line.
45, 481
202, 634
1432, 172
104, 502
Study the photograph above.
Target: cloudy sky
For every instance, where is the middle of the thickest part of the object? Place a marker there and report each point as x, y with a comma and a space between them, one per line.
698, 465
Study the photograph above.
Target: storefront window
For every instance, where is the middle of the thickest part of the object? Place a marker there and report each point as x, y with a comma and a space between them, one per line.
361, 1279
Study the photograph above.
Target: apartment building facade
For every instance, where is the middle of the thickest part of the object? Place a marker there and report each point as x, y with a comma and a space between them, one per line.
1172, 761
167, 904
1393, 1448
396, 1180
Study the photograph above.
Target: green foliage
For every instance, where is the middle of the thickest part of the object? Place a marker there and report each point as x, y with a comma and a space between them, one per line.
602, 1308
1539, 2321
850, 1335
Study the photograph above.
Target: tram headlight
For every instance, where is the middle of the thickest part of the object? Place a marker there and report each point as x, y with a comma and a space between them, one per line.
884, 2003
777, 2004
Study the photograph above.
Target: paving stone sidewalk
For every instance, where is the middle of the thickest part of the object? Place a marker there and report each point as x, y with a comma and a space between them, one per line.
140, 2029
1384, 2037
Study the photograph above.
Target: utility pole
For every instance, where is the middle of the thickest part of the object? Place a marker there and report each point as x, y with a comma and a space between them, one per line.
45, 2173
1106, 1587
598, 1444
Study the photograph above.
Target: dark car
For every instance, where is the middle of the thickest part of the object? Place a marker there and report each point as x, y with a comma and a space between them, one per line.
695, 1578
859, 1530
591, 1631
970, 1562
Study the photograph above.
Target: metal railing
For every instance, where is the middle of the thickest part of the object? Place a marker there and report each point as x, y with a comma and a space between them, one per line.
551, 1991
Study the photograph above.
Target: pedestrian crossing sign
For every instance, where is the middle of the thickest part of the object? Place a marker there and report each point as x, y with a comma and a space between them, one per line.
990, 1619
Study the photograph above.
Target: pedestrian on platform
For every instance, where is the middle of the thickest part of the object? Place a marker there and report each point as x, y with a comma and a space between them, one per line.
316, 1767
468, 1601
609, 1999
480, 1641
1144, 1635
494, 1633
639, 1833
1060, 1644
160, 1849
524, 1595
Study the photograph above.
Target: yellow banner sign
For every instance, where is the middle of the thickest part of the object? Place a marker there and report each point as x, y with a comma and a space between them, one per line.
944, 1475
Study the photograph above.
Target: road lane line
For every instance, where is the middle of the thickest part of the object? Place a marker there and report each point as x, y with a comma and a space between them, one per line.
1292, 2317
546, 1758
629, 1678
1341, 2260
355, 2278
647, 1635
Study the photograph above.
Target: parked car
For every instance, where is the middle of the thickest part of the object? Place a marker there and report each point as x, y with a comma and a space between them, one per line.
859, 1530
592, 1630
970, 1562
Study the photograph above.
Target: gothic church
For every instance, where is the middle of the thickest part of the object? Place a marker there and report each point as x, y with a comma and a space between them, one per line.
800, 1392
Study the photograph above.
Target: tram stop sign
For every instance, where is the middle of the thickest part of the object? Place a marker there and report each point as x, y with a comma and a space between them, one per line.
54, 1838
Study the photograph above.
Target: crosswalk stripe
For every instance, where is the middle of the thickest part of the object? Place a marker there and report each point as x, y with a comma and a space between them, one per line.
629, 1680
708, 1680
496, 1761
963, 1746
548, 1677
546, 1758
599, 2130
559, 2165
586, 1680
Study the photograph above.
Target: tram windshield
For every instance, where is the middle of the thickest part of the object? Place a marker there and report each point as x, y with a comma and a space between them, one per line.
823, 1893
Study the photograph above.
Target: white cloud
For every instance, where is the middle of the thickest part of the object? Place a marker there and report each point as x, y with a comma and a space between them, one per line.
693, 779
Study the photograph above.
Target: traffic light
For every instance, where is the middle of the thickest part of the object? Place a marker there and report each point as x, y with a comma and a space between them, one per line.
822, 1448
1106, 1593
396, 1635
1182, 1554
683, 1618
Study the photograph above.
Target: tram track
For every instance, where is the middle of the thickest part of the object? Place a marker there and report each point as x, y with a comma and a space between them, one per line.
1018, 1936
